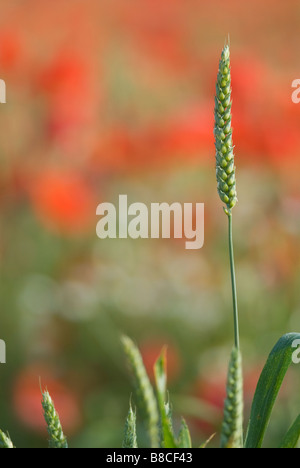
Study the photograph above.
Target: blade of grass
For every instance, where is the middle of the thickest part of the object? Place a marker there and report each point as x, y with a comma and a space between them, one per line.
207, 442
268, 388
168, 439
5, 442
184, 437
144, 392
292, 438
168, 411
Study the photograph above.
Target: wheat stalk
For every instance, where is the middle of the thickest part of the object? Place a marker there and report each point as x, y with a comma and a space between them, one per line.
232, 430
225, 167
57, 438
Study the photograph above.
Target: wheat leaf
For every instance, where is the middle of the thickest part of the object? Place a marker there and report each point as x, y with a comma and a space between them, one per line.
292, 438
184, 437
268, 388
144, 392
168, 439
5, 442
203, 446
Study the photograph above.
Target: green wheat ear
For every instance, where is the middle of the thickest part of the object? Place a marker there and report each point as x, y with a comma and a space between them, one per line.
225, 170
232, 429
57, 438
130, 437
5, 442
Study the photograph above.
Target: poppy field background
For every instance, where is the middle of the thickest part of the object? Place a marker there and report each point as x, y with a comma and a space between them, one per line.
115, 96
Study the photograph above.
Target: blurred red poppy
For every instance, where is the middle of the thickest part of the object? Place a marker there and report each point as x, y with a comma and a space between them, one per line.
155, 32
10, 49
190, 134
64, 201
282, 140
67, 86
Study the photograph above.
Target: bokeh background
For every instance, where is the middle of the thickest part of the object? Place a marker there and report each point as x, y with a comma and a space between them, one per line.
117, 96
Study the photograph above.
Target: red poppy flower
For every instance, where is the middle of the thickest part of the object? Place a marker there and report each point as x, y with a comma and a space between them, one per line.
10, 49
70, 95
190, 134
282, 141
63, 201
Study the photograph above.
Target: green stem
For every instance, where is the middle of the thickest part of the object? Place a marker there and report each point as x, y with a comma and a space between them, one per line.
233, 282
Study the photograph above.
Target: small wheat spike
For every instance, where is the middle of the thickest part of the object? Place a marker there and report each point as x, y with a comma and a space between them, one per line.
57, 439
225, 170
130, 438
144, 391
232, 429
5, 442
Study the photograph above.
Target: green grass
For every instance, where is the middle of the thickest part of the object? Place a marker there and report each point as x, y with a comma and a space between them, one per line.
154, 407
